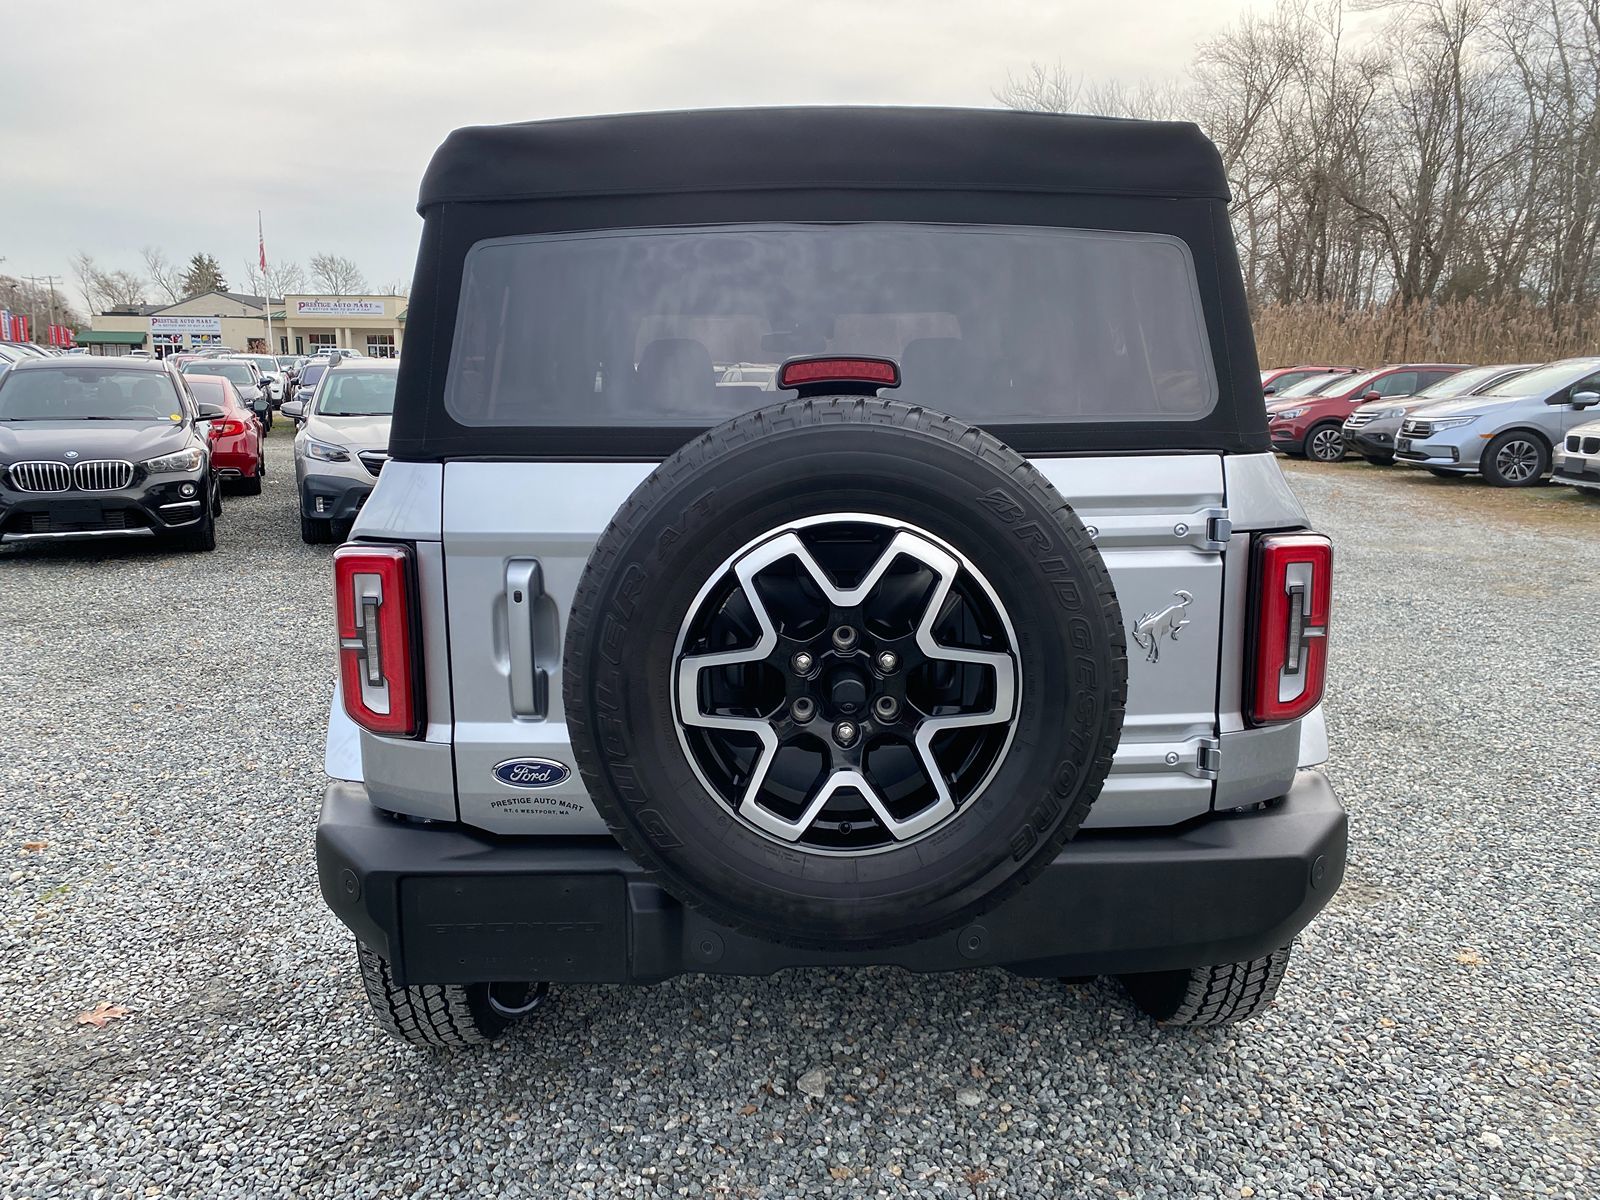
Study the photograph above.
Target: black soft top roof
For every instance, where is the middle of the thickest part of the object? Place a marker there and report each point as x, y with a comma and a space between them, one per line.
737, 150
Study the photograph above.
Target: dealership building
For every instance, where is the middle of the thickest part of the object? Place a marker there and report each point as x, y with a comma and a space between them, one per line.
372, 325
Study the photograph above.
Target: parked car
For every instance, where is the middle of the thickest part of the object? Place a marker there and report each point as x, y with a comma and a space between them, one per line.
1312, 426
271, 373
1370, 431
114, 448
290, 365
310, 374
1277, 380
236, 455
1578, 459
341, 445
26, 349
1507, 434
733, 682
246, 381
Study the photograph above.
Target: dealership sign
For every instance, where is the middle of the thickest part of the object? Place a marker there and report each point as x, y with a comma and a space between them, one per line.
338, 308
186, 325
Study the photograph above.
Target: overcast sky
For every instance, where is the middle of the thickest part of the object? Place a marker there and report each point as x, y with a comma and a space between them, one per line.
170, 123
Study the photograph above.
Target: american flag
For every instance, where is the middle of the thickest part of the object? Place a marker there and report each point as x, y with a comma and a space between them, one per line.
261, 243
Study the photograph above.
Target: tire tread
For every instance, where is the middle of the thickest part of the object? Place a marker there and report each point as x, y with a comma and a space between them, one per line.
433, 1016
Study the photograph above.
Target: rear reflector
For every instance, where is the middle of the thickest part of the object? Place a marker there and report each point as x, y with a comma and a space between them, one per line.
1292, 588
377, 658
803, 372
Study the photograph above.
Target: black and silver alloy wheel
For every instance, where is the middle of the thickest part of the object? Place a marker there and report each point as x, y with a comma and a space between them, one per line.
1515, 460
870, 690
1325, 443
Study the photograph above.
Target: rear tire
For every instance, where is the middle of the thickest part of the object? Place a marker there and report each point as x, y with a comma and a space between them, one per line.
315, 532
1220, 995
1515, 459
443, 1016
252, 485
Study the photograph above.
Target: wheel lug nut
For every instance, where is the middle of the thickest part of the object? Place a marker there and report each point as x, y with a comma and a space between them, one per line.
803, 709
844, 638
886, 707
888, 662
844, 733
802, 663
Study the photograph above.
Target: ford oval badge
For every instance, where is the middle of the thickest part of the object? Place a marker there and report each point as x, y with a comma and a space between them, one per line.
532, 772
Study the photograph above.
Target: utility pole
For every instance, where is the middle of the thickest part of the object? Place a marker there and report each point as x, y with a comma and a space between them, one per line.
33, 315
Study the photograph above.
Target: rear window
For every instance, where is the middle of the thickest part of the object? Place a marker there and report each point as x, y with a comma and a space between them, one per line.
992, 324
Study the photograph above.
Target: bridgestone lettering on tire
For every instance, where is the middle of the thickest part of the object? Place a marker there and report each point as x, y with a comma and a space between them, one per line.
844, 673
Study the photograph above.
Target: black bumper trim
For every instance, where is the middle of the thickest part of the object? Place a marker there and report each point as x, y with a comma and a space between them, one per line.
344, 497
448, 905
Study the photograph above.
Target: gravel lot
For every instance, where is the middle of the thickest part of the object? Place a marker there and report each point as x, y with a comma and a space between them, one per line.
1437, 1034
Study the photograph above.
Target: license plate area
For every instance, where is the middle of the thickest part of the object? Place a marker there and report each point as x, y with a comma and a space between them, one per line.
1402, 444
77, 516
512, 928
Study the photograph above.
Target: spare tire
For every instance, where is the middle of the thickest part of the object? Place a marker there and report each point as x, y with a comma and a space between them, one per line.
844, 673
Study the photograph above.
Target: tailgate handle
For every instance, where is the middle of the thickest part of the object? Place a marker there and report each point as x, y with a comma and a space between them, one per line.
530, 683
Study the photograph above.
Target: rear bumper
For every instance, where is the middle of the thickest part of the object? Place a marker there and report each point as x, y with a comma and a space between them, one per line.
447, 905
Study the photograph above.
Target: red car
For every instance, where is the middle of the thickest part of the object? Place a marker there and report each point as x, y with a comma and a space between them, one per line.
235, 438
1311, 426
1279, 378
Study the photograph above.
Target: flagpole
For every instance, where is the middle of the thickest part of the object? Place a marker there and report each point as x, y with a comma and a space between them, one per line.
261, 243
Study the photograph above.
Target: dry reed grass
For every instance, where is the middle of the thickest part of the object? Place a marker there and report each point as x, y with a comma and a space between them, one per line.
1470, 331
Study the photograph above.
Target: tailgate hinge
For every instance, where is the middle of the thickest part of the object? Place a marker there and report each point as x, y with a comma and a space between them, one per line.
1219, 528
1208, 758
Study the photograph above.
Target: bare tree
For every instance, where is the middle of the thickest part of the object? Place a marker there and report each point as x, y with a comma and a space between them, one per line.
336, 275
277, 281
1449, 149
103, 289
166, 277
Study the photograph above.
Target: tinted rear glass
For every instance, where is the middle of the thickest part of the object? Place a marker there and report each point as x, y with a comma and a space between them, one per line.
85, 393
683, 326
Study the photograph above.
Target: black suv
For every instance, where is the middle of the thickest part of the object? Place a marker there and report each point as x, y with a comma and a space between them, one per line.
104, 448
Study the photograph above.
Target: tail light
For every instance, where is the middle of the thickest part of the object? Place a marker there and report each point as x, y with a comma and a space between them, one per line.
820, 373
378, 659
1292, 586
226, 428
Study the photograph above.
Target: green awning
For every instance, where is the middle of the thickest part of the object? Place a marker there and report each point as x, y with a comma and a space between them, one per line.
109, 337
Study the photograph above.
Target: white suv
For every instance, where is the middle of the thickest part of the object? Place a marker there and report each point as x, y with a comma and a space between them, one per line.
341, 444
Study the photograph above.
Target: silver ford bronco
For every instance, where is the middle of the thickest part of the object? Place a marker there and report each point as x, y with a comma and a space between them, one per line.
821, 537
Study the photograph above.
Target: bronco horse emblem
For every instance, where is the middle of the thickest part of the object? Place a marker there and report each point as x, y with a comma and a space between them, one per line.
1149, 629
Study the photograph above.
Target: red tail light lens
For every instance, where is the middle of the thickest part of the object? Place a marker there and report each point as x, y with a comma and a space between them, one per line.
377, 655
226, 428
1292, 587
803, 372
